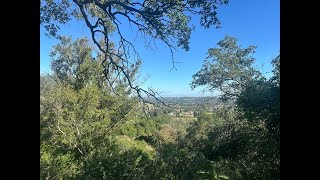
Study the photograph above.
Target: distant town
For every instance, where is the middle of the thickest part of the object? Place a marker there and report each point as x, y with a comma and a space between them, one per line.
185, 107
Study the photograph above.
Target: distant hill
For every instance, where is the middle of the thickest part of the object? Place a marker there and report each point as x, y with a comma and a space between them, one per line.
189, 100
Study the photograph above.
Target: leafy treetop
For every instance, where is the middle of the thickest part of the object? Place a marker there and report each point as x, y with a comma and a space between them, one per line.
228, 68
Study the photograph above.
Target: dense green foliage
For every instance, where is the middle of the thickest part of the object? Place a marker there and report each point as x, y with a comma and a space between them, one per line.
89, 131
254, 139
228, 68
80, 115
93, 127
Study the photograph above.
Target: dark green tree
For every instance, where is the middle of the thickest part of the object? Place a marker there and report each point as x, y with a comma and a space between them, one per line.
244, 144
227, 69
276, 70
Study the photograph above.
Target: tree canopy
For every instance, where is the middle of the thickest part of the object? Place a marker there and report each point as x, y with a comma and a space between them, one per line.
228, 68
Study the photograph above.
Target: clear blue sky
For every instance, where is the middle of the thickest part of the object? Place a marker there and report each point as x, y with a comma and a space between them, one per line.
252, 22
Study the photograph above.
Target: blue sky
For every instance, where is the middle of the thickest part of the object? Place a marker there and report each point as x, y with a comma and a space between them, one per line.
252, 22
